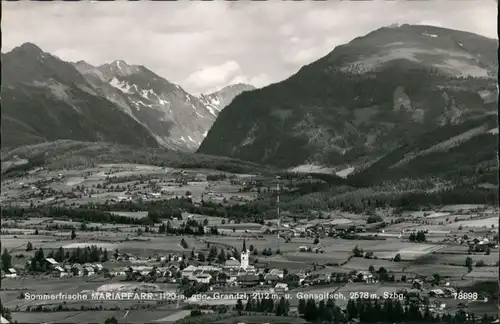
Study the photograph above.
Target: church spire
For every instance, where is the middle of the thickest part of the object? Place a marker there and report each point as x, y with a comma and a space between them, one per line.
244, 245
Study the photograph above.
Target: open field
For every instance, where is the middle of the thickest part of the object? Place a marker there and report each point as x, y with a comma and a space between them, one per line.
131, 214
465, 207
457, 259
442, 270
483, 273
485, 222
269, 241
106, 182
321, 258
411, 252
281, 262
361, 263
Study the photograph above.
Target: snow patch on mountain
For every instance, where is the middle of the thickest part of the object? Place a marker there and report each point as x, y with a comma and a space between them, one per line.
217, 101
120, 85
173, 116
211, 110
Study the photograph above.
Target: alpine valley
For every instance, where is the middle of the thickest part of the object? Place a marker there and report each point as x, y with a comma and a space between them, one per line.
365, 186
404, 101
45, 99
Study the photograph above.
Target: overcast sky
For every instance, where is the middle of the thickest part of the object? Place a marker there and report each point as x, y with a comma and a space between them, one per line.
206, 45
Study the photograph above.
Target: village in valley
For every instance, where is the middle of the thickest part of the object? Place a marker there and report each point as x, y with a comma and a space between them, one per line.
140, 243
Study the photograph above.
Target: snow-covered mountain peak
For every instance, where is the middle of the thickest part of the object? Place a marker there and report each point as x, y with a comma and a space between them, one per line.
176, 118
118, 68
218, 100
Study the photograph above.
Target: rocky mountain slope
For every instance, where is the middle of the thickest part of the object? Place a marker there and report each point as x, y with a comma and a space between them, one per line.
464, 153
44, 99
176, 119
363, 100
218, 100
113, 102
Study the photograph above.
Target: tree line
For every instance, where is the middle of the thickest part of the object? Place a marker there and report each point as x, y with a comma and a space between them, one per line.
89, 254
361, 310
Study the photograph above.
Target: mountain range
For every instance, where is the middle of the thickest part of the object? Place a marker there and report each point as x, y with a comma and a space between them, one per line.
366, 99
402, 101
46, 98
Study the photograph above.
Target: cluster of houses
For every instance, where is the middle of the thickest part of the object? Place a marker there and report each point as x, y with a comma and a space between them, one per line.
231, 273
480, 242
446, 292
58, 270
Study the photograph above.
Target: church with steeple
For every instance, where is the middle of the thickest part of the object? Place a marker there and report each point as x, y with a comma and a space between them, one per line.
245, 254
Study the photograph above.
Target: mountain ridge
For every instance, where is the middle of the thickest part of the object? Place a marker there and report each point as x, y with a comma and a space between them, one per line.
361, 100
218, 100
44, 99
173, 117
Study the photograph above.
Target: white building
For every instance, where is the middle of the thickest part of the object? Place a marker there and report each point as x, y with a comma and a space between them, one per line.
245, 254
203, 278
58, 272
89, 271
281, 287
188, 271
277, 272
11, 273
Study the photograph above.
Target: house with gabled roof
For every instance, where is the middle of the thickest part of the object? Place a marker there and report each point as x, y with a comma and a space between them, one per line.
58, 272
11, 273
51, 263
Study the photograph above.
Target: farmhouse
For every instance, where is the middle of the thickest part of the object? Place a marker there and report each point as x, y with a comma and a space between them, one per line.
322, 278
277, 272
188, 271
51, 263
11, 273
77, 269
155, 194
281, 288
97, 267
197, 183
270, 278
89, 271
58, 272
302, 248
436, 293
209, 268
203, 278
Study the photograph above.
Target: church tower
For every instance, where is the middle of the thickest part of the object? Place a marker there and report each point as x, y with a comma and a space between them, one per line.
244, 256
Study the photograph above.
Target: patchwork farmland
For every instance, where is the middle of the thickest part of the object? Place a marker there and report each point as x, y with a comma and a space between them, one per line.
141, 244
